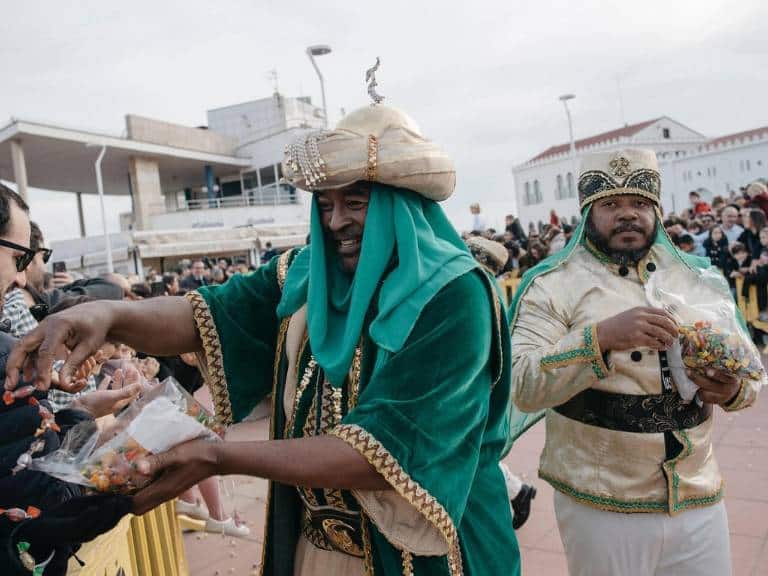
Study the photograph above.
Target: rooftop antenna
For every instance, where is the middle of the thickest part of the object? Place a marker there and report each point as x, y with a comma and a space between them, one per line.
621, 102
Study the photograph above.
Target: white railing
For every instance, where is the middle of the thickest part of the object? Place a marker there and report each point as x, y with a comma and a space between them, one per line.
272, 195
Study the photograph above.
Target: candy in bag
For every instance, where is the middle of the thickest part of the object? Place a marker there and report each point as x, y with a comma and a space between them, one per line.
106, 460
711, 334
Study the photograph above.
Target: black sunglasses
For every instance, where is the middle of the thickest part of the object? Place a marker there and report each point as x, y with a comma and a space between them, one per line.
21, 261
46, 254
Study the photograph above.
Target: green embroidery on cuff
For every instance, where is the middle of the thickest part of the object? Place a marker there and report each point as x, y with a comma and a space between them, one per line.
590, 353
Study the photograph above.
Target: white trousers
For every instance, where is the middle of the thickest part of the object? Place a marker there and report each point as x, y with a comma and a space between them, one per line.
600, 543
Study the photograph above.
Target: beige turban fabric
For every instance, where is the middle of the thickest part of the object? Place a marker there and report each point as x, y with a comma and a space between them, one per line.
375, 144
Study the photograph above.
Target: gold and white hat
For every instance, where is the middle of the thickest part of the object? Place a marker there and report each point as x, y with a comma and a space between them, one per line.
375, 144
492, 255
632, 171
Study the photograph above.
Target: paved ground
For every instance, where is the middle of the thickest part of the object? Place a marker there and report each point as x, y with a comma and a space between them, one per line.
741, 446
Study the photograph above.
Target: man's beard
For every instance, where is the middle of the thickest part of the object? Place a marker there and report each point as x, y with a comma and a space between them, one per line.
622, 257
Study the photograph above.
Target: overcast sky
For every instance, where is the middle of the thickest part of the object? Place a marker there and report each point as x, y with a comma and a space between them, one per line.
480, 78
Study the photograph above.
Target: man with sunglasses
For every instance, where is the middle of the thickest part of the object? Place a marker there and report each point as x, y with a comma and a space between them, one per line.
16, 309
15, 251
26, 304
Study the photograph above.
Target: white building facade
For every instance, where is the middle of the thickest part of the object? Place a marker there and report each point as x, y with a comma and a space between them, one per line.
549, 181
719, 167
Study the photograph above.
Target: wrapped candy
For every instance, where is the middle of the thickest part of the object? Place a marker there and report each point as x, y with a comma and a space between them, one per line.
704, 347
107, 460
711, 333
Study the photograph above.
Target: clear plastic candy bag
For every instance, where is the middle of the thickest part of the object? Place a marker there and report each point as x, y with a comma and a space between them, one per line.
711, 334
106, 460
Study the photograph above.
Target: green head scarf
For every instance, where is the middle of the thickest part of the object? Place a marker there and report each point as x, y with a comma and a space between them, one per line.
409, 248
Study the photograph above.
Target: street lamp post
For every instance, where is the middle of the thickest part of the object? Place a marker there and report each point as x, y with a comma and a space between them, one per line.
100, 187
564, 99
320, 50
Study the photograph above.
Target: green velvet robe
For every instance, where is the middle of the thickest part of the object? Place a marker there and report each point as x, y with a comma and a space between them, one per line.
432, 418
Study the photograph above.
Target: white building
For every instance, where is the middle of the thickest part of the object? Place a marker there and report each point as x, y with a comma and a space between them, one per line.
208, 191
548, 180
716, 168
688, 161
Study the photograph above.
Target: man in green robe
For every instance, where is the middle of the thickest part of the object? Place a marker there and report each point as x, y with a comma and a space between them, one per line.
385, 350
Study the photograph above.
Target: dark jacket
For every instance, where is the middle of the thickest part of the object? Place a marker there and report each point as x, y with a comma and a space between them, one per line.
752, 242
67, 519
95, 288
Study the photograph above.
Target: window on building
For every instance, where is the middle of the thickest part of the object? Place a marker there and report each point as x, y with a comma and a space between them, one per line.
536, 192
527, 197
748, 166
263, 188
250, 180
665, 133
559, 190
714, 171
571, 189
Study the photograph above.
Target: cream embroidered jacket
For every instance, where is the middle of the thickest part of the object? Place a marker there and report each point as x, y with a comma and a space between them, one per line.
555, 355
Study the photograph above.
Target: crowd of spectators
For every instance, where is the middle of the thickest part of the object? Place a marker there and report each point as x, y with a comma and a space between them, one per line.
525, 249
732, 231
118, 369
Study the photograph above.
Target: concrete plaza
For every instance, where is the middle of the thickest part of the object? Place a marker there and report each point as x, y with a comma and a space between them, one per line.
741, 447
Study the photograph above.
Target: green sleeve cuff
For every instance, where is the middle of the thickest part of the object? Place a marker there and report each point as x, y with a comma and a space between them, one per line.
580, 347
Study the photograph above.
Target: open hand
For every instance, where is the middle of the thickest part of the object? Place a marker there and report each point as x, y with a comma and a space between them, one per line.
82, 330
102, 402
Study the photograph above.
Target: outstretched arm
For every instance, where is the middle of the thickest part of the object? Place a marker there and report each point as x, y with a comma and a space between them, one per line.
318, 462
160, 326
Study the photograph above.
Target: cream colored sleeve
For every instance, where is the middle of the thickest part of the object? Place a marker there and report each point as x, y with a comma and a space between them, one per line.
401, 523
746, 396
551, 361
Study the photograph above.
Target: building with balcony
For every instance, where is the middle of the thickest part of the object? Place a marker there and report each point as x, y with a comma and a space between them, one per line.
213, 190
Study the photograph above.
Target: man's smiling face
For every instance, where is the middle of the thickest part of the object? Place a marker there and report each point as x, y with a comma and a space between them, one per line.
342, 215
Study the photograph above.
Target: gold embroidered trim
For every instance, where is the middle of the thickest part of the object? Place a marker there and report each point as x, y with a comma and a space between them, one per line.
214, 374
282, 268
354, 385
618, 192
386, 465
282, 331
309, 497
407, 563
367, 548
309, 371
302, 349
371, 168
309, 424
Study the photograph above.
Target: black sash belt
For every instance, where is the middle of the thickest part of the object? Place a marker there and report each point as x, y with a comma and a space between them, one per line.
654, 413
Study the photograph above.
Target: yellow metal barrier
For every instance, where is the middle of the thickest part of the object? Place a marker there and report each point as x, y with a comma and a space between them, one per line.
509, 287
748, 305
149, 545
